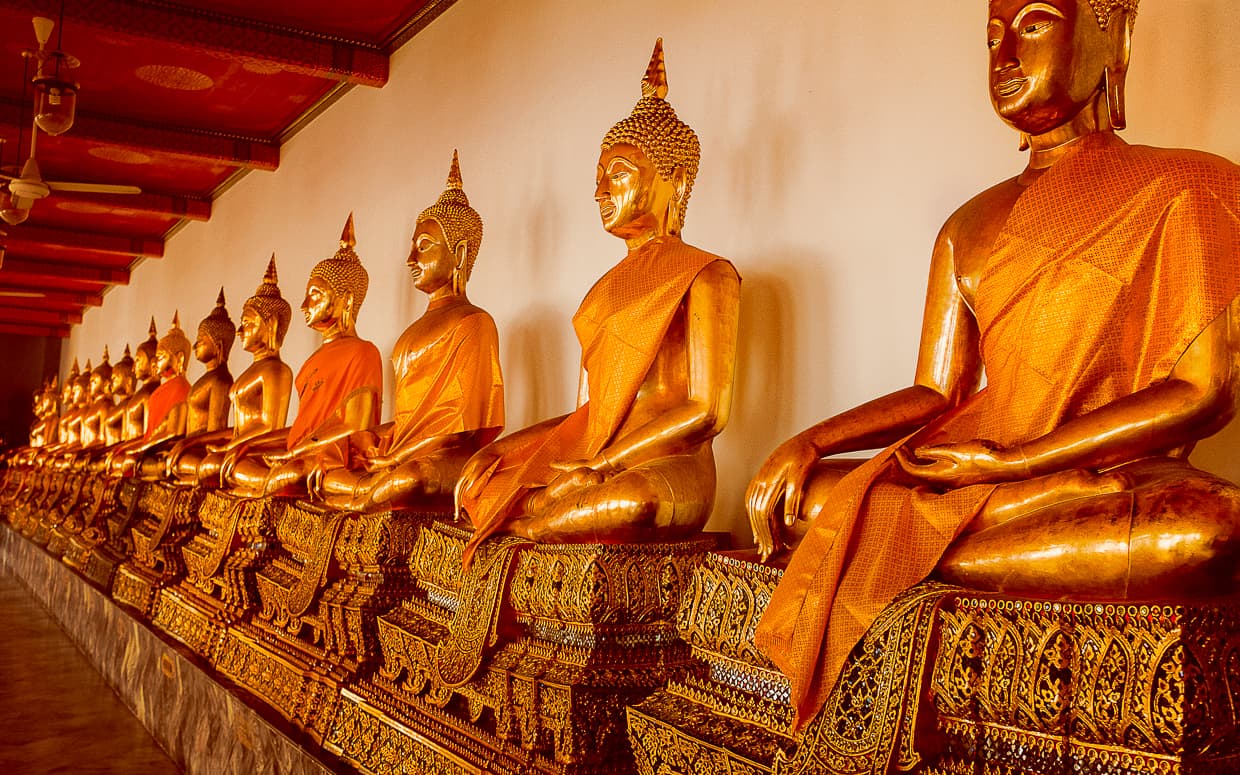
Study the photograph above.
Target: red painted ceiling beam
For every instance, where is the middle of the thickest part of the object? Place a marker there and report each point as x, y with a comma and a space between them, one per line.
189, 208
249, 153
109, 244
243, 40
38, 317
60, 332
46, 298
44, 274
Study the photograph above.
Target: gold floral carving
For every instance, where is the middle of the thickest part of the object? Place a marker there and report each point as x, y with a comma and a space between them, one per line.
1034, 686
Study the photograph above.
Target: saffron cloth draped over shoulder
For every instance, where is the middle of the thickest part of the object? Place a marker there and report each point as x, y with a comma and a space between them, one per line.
162, 400
620, 326
335, 372
447, 386
1106, 270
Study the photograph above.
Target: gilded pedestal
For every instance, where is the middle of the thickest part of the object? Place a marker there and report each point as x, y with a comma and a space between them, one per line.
319, 596
1034, 687
157, 540
110, 535
234, 539
522, 664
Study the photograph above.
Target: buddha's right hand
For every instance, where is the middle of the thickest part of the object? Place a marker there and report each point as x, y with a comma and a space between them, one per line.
474, 476
780, 481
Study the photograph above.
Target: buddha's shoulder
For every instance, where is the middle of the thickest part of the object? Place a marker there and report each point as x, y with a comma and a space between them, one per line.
983, 214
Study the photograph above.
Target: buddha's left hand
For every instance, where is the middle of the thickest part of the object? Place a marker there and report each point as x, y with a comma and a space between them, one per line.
964, 463
277, 458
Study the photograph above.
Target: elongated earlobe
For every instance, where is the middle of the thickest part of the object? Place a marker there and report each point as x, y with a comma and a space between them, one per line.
1113, 82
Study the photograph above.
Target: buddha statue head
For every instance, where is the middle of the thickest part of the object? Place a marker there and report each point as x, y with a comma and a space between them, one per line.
336, 289
1054, 61
100, 383
144, 358
172, 352
648, 164
66, 392
215, 334
123, 375
265, 315
446, 240
81, 386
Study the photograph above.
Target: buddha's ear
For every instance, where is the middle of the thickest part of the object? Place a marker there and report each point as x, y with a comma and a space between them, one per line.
1115, 76
461, 251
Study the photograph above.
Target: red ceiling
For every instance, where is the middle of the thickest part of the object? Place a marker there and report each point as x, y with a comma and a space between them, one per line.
176, 98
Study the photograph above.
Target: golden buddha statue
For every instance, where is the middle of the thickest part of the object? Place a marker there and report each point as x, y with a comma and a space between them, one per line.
147, 379
165, 408
1097, 290
259, 397
449, 390
207, 404
123, 384
47, 415
339, 387
658, 336
99, 405
70, 418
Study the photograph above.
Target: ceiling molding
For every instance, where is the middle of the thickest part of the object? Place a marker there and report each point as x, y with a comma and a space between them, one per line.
46, 298
42, 317
244, 40
23, 236
58, 332
19, 269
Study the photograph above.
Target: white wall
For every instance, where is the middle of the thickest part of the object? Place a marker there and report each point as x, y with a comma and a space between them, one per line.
836, 136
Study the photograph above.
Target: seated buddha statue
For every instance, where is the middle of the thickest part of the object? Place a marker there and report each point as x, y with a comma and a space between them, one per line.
259, 397
633, 462
123, 384
165, 408
449, 391
47, 415
147, 380
206, 405
339, 387
99, 405
74, 400
1097, 290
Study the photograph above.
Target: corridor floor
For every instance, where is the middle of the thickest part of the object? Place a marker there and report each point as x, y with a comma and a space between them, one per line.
56, 712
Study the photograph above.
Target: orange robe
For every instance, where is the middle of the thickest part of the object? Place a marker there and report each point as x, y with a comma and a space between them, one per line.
1107, 268
331, 376
450, 385
161, 401
620, 326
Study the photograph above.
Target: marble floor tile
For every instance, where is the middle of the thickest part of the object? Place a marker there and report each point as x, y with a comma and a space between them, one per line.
56, 712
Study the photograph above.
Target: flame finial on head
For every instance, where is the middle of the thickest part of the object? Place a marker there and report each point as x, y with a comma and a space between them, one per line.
459, 221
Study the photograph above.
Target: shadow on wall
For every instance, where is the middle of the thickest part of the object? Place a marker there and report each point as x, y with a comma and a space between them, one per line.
534, 361
762, 407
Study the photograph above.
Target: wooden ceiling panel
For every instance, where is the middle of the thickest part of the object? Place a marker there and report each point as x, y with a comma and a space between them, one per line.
178, 99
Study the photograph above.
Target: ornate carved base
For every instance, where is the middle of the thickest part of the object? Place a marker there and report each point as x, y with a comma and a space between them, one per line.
1049, 687
332, 574
163, 525
730, 713
110, 529
195, 619
586, 629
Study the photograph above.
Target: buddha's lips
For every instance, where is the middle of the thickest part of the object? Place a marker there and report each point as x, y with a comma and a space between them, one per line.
1010, 86
606, 209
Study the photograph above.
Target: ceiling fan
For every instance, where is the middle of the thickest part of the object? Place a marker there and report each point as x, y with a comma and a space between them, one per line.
28, 186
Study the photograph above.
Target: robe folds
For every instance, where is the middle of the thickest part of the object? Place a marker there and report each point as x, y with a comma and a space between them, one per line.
620, 325
451, 384
336, 372
1108, 267
162, 400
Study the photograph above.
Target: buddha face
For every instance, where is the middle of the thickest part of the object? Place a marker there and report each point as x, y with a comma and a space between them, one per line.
78, 392
632, 196
1046, 61
205, 349
167, 363
322, 306
252, 331
95, 386
122, 380
142, 364
431, 261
